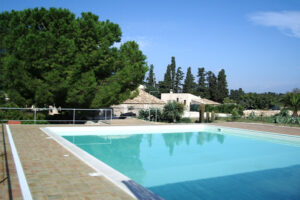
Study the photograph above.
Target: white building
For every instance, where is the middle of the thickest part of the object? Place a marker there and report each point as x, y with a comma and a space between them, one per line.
186, 99
143, 101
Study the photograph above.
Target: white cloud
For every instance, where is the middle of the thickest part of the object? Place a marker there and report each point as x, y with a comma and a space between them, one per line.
287, 22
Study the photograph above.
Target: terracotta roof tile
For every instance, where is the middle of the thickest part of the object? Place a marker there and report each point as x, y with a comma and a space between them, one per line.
144, 98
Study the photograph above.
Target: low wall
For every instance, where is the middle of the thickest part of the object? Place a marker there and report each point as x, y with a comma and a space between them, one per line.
267, 113
194, 114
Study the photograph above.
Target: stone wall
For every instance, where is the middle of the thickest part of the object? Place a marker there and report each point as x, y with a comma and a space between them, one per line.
267, 113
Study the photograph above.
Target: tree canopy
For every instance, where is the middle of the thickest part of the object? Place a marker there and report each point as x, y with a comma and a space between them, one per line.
212, 86
48, 56
222, 86
178, 78
189, 82
202, 86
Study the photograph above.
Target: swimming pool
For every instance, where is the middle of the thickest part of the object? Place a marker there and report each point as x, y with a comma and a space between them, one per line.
197, 162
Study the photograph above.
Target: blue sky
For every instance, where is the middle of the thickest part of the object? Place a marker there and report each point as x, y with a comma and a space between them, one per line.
257, 42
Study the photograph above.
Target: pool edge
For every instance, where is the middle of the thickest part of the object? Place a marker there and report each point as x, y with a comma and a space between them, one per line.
100, 167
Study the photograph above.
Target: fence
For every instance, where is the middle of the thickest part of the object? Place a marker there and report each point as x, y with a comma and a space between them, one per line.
149, 114
56, 115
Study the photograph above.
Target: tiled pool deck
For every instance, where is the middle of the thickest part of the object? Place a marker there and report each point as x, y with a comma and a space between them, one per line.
53, 172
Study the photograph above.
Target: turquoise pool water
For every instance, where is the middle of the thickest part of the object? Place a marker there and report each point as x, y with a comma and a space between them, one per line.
201, 165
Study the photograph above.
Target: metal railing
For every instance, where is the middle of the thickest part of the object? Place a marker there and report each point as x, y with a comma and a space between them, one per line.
152, 113
58, 115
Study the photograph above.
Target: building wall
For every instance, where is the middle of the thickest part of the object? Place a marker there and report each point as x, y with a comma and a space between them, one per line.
195, 115
183, 98
135, 108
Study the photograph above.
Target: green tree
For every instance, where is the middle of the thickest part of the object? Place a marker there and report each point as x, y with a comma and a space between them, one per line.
291, 101
2, 97
166, 84
212, 86
257, 101
173, 73
222, 90
178, 78
150, 81
48, 56
202, 87
236, 95
189, 82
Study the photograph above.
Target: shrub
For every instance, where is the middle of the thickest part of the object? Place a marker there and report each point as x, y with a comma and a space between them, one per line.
143, 114
284, 113
234, 114
225, 108
252, 115
213, 116
154, 115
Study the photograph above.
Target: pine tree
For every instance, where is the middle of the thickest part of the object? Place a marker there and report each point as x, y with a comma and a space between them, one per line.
189, 82
51, 56
222, 86
178, 78
150, 81
202, 86
173, 72
212, 85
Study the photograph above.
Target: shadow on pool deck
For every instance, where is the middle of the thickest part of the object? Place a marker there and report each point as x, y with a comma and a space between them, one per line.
280, 183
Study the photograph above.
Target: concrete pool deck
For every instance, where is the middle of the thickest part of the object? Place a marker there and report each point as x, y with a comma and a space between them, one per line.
52, 172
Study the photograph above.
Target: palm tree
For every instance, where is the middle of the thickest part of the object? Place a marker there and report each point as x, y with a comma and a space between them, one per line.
173, 111
292, 101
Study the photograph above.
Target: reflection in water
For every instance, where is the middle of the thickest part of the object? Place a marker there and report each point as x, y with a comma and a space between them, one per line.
220, 138
124, 149
188, 137
123, 152
200, 138
175, 139
171, 139
149, 138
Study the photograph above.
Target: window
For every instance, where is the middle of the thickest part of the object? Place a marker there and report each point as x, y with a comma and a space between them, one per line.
177, 99
184, 102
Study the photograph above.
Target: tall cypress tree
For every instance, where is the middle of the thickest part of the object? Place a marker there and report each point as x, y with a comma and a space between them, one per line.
202, 87
222, 86
166, 84
212, 86
173, 72
189, 82
150, 81
178, 78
